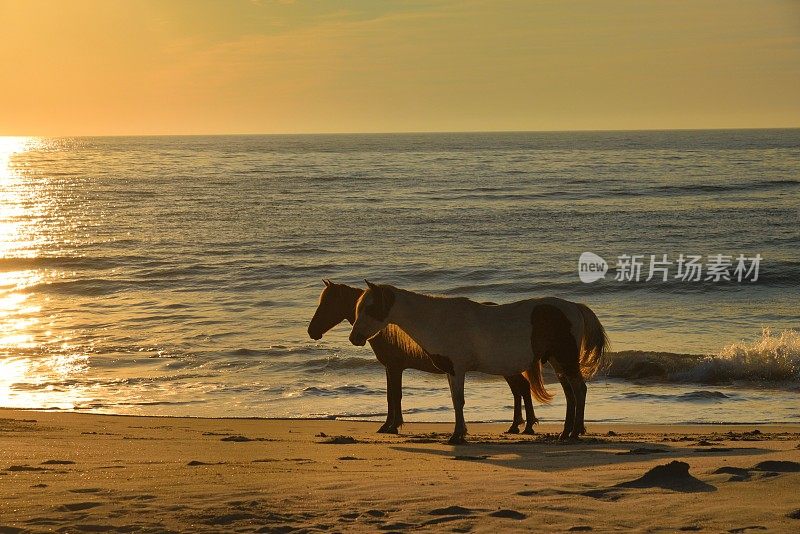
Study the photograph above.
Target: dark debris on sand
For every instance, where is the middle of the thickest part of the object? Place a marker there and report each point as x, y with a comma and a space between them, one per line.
243, 439
21, 468
451, 510
642, 450
339, 440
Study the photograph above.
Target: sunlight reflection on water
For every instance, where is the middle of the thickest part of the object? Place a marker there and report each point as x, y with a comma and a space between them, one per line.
23, 349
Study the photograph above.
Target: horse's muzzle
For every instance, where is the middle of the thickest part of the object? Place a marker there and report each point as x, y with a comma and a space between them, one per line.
314, 335
357, 339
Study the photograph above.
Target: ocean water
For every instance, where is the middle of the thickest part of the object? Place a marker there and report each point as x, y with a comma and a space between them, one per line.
177, 275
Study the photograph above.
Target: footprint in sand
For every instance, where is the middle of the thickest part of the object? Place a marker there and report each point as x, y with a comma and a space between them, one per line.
672, 476
794, 514
397, 526
778, 466
508, 514
745, 529
78, 506
738, 474
451, 510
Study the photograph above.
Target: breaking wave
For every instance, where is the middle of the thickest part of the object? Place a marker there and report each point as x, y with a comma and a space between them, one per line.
772, 359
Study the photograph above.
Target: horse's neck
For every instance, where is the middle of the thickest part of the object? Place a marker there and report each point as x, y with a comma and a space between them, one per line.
350, 297
418, 315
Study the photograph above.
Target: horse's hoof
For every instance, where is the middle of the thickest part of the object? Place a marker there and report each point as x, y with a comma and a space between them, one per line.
564, 436
383, 430
512, 430
529, 431
456, 440
391, 430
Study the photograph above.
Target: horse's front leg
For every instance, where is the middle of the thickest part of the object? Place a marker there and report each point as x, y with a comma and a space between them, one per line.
579, 389
390, 404
457, 394
397, 387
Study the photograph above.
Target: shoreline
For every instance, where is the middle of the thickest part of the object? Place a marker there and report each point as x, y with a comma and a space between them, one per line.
92, 472
380, 418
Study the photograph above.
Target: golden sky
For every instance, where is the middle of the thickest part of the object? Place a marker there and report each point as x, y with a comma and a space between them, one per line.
78, 67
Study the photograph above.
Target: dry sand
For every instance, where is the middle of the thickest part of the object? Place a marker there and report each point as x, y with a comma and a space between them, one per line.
87, 473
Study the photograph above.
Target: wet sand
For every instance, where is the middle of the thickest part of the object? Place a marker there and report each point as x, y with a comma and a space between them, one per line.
88, 473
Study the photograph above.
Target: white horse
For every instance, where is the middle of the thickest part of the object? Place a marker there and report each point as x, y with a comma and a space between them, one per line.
461, 335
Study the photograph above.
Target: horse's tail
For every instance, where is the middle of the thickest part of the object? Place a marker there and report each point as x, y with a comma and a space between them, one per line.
594, 345
534, 376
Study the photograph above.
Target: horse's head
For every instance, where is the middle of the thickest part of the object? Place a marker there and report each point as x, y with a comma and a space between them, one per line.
335, 305
372, 313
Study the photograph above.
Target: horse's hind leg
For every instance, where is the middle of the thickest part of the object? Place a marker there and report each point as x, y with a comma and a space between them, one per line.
457, 394
569, 418
579, 389
397, 386
530, 415
517, 392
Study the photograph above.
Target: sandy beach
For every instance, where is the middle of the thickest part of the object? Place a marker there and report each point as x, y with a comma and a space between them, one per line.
71, 472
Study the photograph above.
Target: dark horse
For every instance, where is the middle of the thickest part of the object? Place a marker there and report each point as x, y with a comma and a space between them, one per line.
398, 352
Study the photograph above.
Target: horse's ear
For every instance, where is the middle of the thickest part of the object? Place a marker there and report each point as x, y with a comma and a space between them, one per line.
327, 282
371, 285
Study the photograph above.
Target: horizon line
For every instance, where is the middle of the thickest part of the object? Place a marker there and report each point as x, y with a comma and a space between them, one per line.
408, 132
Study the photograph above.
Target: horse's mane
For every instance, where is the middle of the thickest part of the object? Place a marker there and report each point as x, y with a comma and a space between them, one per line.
397, 337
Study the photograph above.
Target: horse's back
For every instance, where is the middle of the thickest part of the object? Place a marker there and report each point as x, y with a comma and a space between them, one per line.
506, 331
